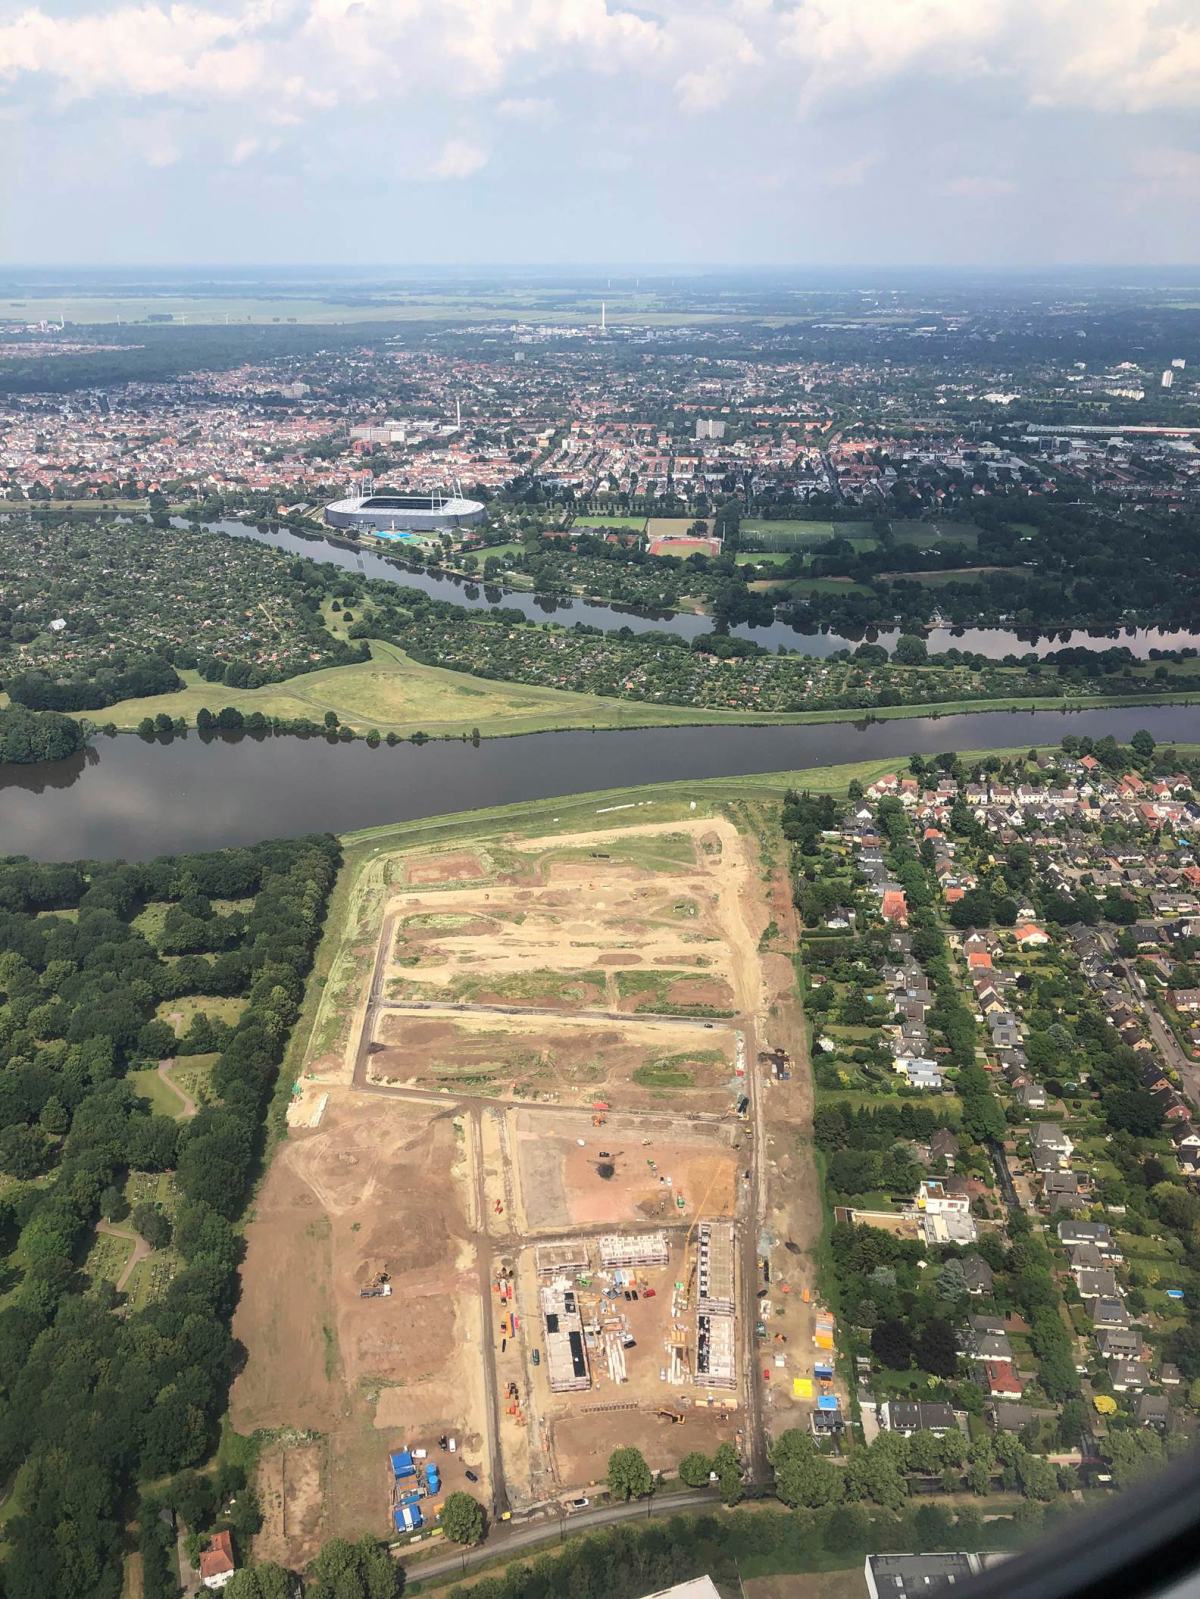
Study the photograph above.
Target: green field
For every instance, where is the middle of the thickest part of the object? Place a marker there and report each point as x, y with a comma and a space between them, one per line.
164, 1101
763, 557
924, 535
498, 550
636, 523
784, 536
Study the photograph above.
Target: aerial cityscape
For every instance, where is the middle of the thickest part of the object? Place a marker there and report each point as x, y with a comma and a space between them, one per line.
599, 800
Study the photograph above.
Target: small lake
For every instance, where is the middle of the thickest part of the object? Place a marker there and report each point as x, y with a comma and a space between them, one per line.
125, 797
993, 642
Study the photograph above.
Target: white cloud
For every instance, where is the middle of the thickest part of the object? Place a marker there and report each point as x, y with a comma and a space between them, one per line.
243, 150
1131, 55
458, 159
528, 109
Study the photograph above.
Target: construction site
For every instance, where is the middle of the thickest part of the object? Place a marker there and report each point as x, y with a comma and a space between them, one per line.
571, 1028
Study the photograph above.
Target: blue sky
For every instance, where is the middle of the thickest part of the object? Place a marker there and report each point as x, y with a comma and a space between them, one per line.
989, 132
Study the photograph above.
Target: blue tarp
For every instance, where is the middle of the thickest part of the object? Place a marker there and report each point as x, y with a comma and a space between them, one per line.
827, 1402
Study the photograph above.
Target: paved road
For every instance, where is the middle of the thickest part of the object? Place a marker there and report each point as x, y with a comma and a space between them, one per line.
1163, 1037
1003, 1175
508, 1537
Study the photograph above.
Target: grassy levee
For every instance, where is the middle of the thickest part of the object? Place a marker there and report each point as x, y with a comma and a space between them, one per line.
398, 695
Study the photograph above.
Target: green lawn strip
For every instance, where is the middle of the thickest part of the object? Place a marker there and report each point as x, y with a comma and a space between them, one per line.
656, 802
164, 1100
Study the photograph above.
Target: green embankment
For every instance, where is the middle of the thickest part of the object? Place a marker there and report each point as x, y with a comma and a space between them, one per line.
397, 695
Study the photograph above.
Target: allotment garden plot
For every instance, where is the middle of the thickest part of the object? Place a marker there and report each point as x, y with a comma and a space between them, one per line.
585, 971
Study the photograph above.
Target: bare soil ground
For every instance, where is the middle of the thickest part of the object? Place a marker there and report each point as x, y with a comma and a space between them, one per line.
291, 1496
562, 1185
568, 1059
373, 1190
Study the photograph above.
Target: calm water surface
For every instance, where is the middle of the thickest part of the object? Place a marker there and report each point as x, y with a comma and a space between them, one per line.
994, 642
128, 798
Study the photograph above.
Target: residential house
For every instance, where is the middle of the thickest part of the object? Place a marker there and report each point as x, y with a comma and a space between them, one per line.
1001, 1381
1128, 1376
216, 1562
1109, 1312
1119, 1343
978, 1274
1152, 1410
916, 1415
1088, 1232
940, 1196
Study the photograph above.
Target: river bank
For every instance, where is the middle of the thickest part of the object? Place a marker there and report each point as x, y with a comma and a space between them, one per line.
127, 797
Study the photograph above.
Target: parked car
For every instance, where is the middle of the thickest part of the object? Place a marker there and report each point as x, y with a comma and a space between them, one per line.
471, 1476
537, 1359
580, 1504
628, 1296
662, 1374
635, 1293
649, 1293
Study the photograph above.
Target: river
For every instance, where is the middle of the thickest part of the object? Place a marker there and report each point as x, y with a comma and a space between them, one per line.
994, 642
126, 797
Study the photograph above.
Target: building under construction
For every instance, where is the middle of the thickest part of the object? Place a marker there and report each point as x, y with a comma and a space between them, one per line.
562, 1326
714, 1268
645, 1249
556, 1260
716, 1361
716, 1349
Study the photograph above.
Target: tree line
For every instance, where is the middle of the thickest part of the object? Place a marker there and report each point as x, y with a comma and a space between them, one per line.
94, 1404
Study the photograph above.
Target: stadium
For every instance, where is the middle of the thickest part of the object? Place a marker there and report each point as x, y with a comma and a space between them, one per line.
394, 514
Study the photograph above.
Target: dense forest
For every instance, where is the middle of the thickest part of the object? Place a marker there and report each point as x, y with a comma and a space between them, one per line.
27, 736
98, 1395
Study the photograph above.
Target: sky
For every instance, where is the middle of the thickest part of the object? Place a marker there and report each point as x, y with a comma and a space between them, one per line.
949, 132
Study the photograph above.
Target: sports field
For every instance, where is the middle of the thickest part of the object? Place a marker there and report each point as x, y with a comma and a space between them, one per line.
784, 536
635, 524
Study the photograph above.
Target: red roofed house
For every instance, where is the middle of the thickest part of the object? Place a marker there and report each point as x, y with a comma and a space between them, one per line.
954, 894
216, 1562
1002, 1381
895, 908
978, 958
1029, 934
1089, 763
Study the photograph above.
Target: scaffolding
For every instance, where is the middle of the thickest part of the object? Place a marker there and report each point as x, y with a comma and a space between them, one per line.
715, 1268
715, 1353
645, 1249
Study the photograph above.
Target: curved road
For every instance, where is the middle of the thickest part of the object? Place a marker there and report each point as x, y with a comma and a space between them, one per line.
509, 1536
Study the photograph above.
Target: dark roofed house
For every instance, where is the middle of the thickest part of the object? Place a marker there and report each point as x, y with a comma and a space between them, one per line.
978, 1274
1152, 1410
916, 1415
1011, 1417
